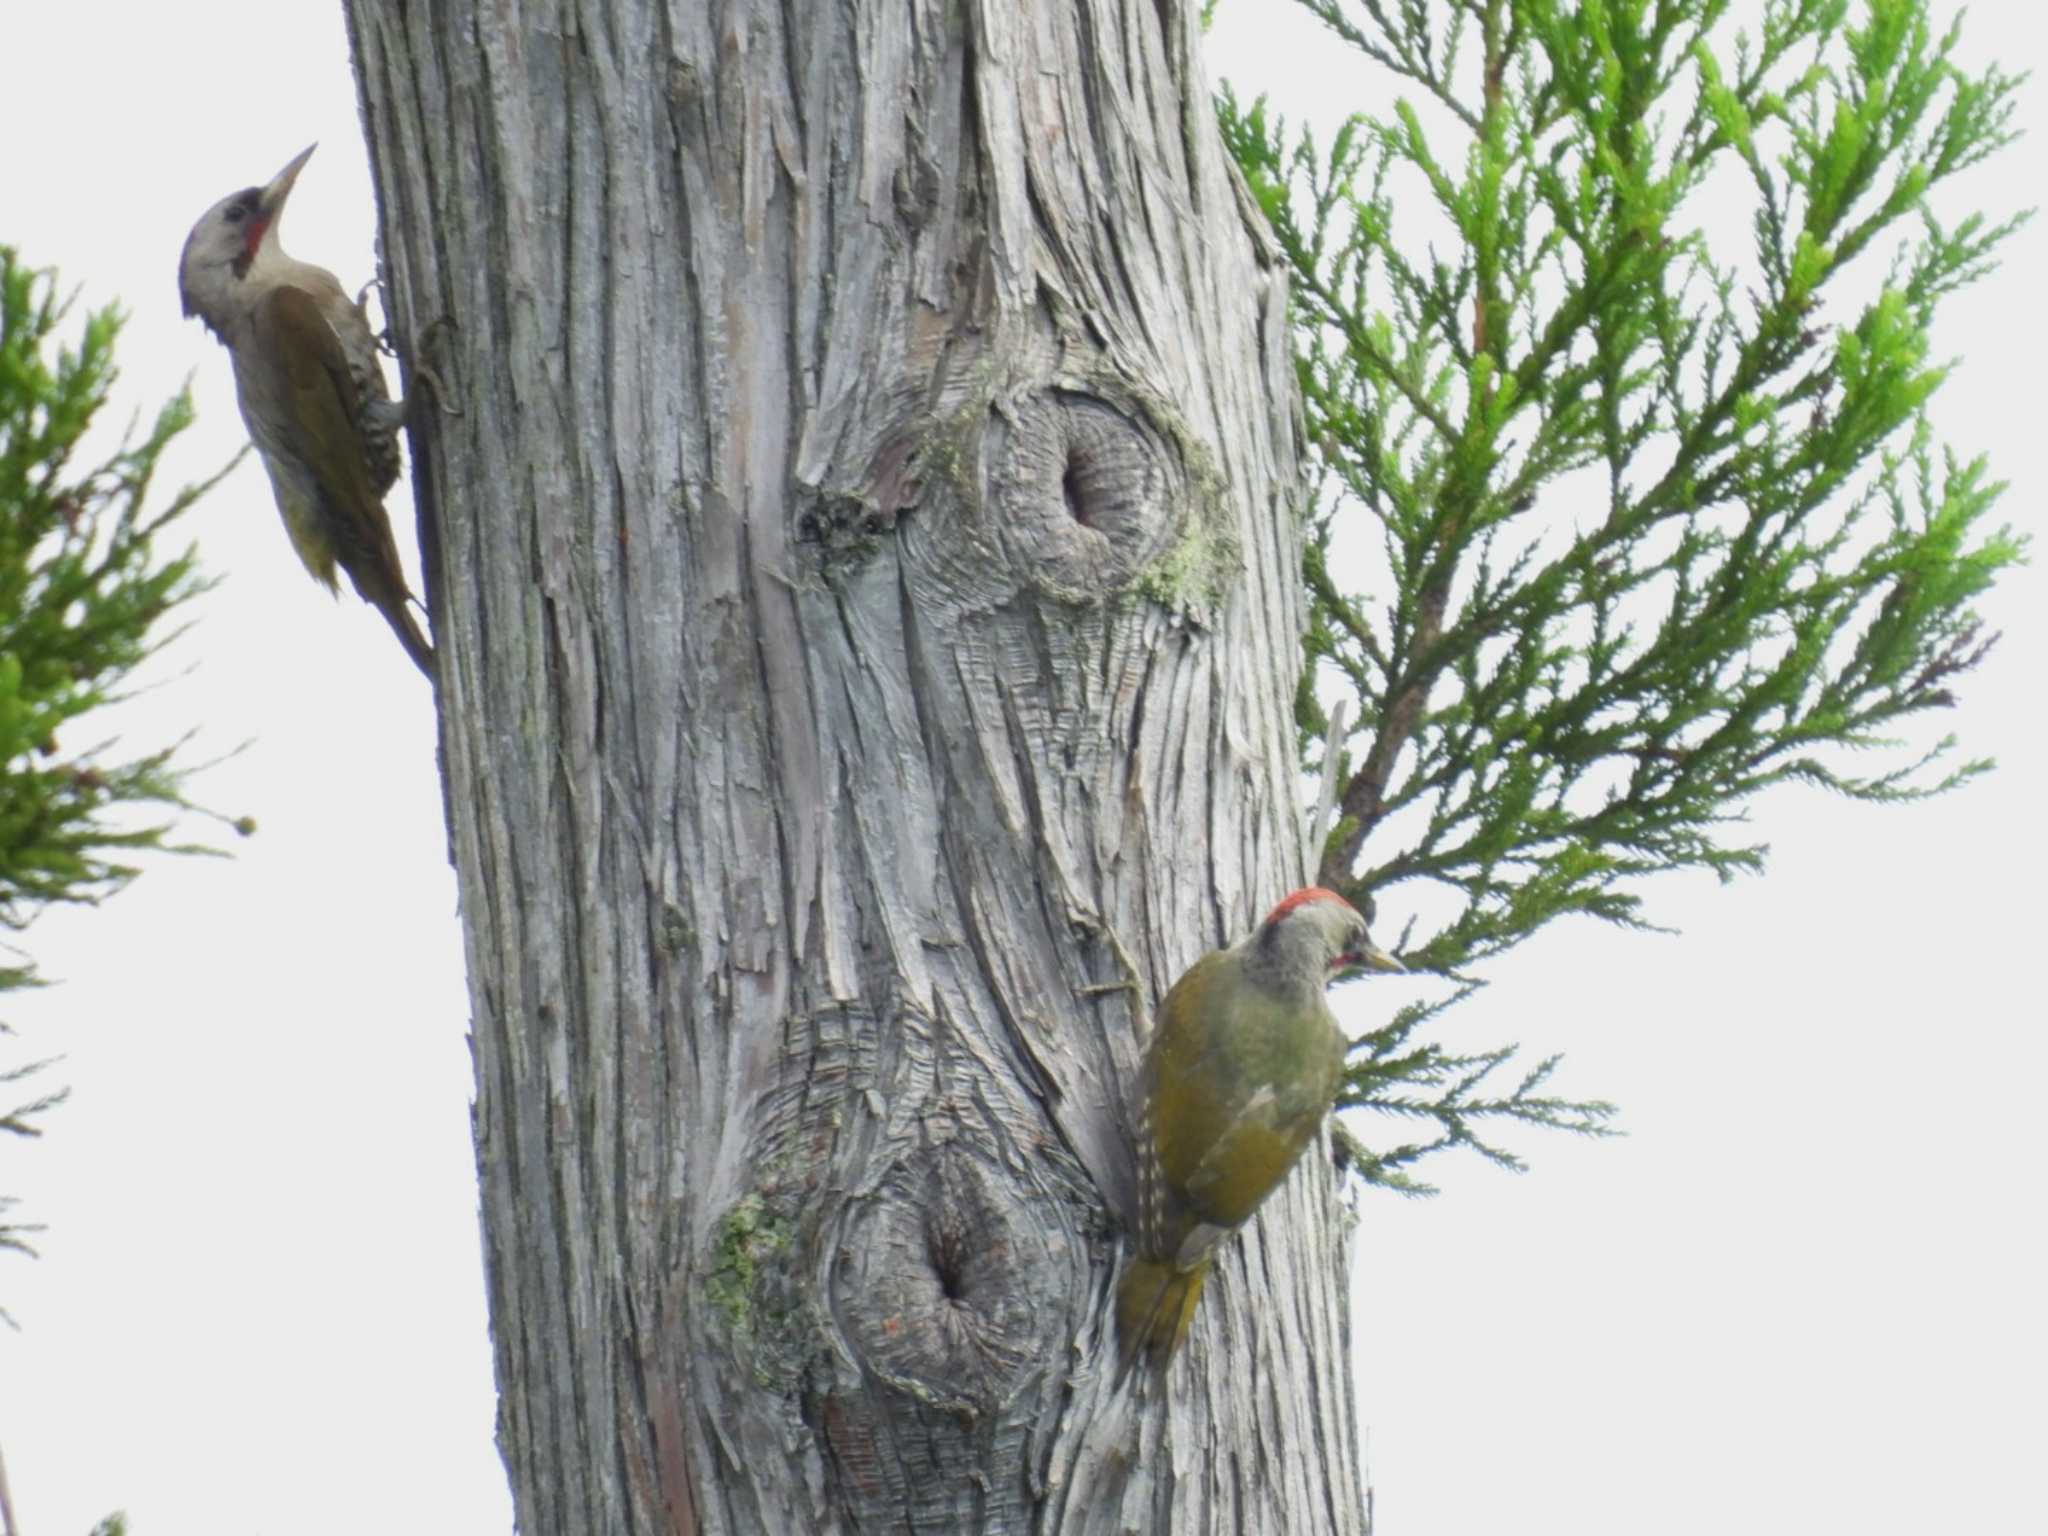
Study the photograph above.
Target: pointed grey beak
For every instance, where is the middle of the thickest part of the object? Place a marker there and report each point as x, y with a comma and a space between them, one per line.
1367, 957
280, 186
1373, 958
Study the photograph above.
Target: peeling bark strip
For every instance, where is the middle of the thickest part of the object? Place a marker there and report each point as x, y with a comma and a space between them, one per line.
866, 572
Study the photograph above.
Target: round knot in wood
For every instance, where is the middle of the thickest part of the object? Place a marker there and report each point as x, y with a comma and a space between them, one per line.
1085, 492
943, 1285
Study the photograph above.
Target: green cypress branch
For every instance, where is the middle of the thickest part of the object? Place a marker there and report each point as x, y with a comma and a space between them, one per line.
1663, 519
86, 593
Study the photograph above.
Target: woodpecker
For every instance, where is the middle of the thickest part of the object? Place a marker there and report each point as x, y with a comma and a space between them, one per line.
1244, 1061
312, 394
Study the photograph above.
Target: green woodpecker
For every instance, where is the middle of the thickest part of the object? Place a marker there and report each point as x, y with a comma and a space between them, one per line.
1244, 1062
312, 394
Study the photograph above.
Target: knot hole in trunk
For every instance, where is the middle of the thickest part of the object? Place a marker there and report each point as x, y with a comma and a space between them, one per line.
947, 1284
1086, 492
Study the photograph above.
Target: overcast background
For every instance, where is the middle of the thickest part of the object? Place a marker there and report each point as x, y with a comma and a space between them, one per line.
1804, 1294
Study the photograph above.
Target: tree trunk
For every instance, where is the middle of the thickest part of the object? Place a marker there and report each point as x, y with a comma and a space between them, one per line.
863, 556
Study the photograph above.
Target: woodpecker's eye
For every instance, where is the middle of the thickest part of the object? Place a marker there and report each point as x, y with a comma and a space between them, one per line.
235, 213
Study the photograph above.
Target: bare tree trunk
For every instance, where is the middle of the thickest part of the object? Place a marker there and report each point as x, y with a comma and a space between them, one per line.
865, 574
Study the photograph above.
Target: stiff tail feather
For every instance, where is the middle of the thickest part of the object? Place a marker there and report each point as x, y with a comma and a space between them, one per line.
386, 592
407, 629
1155, 1302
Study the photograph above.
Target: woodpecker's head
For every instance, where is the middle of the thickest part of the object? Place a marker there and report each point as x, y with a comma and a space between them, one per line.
1315, 936
237, 236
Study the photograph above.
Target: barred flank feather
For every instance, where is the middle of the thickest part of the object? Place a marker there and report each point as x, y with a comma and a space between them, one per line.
1155, 1302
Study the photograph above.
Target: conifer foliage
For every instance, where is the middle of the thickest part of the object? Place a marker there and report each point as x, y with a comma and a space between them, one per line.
1659, 514
84, 593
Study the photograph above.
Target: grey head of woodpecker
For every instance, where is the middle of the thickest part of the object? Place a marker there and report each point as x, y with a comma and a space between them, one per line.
1316, 922
235, 238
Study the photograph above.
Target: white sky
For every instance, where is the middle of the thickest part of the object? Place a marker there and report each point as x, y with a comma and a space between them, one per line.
1802, 1296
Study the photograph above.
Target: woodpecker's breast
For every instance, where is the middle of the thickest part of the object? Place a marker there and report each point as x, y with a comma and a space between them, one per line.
1237, 1081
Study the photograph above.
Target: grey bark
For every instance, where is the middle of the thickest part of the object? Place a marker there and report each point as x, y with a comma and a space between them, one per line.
864, 568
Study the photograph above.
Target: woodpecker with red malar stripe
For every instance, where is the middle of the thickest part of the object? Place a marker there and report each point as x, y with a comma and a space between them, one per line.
1244, 1062
312, 393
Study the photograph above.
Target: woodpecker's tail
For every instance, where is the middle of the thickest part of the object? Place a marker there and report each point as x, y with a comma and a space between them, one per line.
385, 592
1154, 1305
408, 631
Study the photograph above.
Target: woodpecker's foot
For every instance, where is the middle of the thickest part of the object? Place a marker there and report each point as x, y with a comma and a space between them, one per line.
363, 308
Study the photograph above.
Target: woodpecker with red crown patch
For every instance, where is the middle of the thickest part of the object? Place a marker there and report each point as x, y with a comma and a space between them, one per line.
1244, 1061
312, 394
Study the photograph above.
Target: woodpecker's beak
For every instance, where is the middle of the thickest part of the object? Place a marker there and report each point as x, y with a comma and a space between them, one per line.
280, 186
1370, 957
